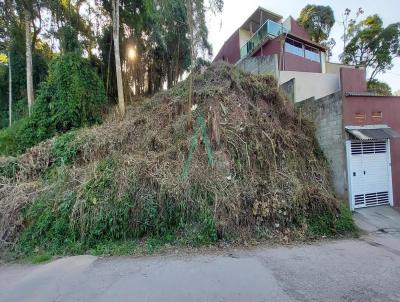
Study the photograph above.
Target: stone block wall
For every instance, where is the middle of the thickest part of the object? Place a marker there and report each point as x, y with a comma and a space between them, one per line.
327, 114
288, 89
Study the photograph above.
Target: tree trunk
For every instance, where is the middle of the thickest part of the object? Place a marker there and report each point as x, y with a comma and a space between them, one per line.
108, 66
29, 78
190, 21
150, 80
118, 71
177, 61
9, 88
169, 75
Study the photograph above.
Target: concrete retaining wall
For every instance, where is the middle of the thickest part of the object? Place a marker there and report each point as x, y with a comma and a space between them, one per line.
327, 115
288, 89
308, 84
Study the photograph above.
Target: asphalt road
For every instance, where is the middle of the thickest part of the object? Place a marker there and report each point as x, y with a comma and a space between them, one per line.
365, 269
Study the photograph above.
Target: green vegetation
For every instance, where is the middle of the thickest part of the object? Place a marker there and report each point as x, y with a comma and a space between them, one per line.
72, 97
98, 219
318, 21
9, 169
380, 88
9, 140
40, 258
155, 31
41, 56
328, 224
372, 45
65, 148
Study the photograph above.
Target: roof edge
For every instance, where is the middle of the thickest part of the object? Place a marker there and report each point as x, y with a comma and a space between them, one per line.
264, 10
321, 47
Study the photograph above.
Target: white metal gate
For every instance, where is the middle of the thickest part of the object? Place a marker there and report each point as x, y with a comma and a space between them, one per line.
369, 173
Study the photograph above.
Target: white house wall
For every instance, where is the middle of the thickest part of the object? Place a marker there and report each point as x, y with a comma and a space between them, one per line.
308, 84
244, 36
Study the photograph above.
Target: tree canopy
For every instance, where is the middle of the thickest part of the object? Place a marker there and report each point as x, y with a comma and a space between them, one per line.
155, 31
372, 45
380, 88
56, 63
318, 21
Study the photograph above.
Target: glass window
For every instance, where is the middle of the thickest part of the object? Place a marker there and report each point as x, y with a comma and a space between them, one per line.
274, 28
294, 47
312, 54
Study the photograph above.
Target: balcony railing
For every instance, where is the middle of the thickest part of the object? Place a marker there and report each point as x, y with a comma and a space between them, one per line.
268, 29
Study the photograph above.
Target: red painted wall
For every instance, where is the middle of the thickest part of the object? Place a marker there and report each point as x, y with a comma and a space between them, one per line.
298, 30
271, 47
353, 80
292, 62
390, 108
230, 51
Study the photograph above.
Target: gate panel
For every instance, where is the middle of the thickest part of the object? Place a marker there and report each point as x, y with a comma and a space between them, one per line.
369, 173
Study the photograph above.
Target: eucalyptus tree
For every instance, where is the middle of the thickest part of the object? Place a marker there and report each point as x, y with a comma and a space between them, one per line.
6, 15
198, 35
118, 69
157, 32
26, 8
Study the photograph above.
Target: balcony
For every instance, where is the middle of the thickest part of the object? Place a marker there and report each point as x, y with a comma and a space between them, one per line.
268, 30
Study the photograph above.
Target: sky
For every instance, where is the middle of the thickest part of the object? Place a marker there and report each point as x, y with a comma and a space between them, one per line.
235, 13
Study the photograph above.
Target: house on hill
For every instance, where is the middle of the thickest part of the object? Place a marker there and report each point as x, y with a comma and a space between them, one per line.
265, 44
264, 34
358, 131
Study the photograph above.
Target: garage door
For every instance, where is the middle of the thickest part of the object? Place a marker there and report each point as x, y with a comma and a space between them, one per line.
369, 173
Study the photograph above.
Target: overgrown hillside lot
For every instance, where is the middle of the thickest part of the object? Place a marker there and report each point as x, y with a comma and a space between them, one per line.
247, 167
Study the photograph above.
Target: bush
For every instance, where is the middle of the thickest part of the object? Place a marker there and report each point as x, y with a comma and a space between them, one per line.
11, 141
65, 148
345, 223
380, 88
73, 96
